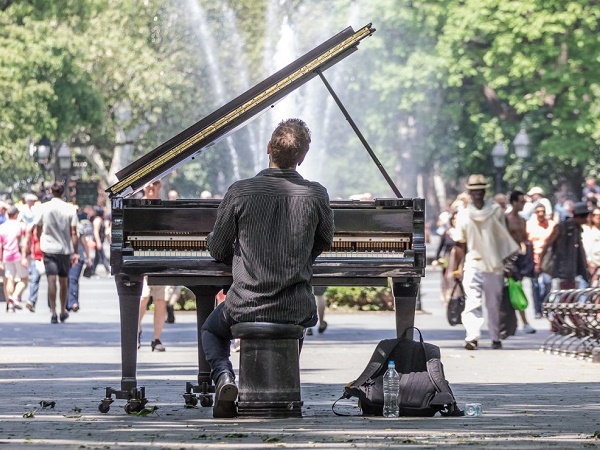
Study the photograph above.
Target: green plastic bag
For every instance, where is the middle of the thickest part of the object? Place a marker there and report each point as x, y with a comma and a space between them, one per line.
517, 296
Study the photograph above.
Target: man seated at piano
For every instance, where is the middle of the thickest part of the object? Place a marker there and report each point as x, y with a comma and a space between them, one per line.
271, 228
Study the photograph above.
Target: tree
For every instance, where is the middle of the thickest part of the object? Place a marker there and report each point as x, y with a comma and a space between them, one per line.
532, 64
43, 88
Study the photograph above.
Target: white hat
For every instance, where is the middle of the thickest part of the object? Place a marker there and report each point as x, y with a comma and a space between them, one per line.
535, 190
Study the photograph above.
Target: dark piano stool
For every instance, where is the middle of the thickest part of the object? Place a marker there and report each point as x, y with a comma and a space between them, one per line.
269, 375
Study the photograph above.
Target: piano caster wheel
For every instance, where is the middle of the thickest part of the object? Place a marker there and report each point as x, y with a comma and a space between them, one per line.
206, 400
135, 406
104, 405
190, 400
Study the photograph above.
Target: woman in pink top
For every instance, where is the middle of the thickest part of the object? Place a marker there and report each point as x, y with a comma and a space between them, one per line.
13, 260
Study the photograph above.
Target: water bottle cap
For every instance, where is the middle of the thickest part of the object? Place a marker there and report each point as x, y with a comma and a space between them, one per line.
391, 363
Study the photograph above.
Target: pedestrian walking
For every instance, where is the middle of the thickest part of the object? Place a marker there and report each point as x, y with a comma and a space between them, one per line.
536, 195
99, 227
591, 245
13, 259
567, 248
83, 251
56, 221
319, 293
159, 294
444, 259
539, 229
524, 264
176, 295
484, 244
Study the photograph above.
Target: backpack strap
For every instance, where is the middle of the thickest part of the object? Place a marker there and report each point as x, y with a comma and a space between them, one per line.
382, 352
444, 396
342, 414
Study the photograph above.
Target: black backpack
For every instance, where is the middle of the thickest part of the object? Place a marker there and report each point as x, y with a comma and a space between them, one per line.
424, 390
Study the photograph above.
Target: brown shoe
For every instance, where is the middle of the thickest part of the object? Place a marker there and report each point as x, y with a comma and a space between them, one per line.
471, 345
225, 396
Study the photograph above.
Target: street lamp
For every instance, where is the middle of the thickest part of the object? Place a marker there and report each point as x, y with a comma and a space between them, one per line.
63, 160
499, 158
42, 151
522, 150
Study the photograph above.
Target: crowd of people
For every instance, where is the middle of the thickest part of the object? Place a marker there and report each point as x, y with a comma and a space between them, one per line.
45, 235
521, 235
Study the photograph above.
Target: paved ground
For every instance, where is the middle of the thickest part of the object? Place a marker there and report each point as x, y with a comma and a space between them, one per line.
530, 399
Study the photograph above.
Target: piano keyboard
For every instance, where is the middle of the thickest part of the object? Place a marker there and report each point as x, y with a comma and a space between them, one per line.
188, 246
206, 254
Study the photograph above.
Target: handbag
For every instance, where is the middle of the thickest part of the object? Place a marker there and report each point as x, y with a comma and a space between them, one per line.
87, 272
456, 305
547, 261
516, 295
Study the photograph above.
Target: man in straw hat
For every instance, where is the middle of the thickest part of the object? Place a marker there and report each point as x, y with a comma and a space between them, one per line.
483, 243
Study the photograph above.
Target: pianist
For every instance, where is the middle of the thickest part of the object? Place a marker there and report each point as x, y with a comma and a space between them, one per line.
271, 228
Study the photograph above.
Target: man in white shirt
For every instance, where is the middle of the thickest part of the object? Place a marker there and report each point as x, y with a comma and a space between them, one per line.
57, 227
536, 194
483, 243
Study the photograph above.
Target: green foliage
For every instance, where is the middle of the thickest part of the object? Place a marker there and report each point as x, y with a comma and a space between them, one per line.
44, 90
432, 90
530, 63
360, 298
344, 298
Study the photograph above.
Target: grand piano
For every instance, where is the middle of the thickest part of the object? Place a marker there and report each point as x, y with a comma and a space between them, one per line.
374, 241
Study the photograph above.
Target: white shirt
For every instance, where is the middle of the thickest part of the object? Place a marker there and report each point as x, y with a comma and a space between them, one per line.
591, 244
487, 238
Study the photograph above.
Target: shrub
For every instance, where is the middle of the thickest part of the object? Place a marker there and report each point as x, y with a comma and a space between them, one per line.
338, 297
360, 298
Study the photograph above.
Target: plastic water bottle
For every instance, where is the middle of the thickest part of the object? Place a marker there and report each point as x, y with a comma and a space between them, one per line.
391, 387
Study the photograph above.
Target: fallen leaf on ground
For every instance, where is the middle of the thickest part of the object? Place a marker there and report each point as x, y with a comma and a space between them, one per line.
146, 411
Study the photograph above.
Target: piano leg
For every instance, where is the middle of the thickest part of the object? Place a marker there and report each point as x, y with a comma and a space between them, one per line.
129, 289
405, 291
205, 304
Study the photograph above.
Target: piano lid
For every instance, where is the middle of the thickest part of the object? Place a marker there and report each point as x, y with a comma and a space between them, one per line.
166, 157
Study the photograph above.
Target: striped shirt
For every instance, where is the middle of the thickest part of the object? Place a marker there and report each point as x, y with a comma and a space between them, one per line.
271, 228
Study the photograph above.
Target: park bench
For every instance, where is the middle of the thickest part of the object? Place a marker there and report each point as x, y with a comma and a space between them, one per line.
574, 316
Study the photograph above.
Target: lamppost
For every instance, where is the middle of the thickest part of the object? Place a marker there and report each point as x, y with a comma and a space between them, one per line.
59, 163
63, 157
499, 158
522, 151
41, 151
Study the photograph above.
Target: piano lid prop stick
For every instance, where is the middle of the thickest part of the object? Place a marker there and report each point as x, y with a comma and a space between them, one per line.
360, 136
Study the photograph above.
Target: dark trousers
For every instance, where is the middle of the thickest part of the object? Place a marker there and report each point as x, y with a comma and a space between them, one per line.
216, 337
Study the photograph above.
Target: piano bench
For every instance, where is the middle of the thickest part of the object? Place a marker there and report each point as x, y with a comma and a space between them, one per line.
269, 375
